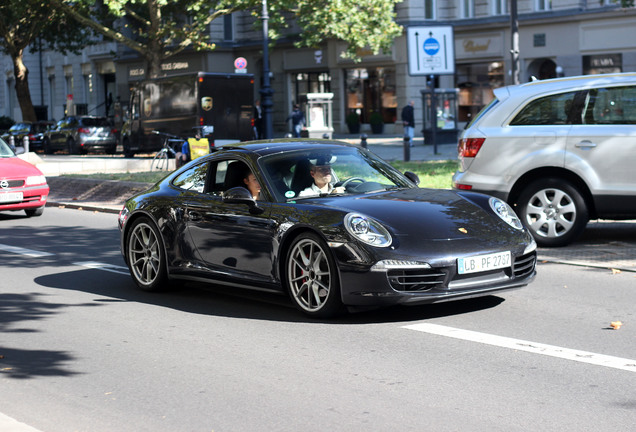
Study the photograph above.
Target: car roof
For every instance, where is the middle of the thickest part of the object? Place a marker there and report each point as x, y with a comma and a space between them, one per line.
564, 84
266, 147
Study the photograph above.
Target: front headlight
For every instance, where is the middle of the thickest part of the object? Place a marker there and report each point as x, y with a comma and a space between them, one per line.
367, 230
505, 212
35, 180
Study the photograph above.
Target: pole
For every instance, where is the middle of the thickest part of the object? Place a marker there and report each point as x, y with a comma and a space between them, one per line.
514, 51
266, 91
433, 115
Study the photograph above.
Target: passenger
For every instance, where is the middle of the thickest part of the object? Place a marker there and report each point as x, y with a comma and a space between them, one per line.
321, 174
252, 184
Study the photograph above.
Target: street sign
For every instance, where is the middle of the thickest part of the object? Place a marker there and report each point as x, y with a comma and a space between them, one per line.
240, 65
431, 50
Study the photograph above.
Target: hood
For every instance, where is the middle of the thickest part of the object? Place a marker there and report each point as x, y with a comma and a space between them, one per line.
431, 214
14, 167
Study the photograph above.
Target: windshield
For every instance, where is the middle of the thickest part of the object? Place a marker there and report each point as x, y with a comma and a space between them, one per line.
5, 150
314, 173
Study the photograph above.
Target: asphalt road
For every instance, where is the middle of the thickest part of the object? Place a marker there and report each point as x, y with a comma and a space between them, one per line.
83, 350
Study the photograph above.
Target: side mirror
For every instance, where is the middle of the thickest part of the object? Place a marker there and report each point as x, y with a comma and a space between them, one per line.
412, 176
240, 195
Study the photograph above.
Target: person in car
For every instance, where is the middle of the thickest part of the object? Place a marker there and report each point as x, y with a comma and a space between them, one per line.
321, 174
252, 184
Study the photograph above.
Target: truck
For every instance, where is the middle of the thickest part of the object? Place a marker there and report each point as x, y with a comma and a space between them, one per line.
220, 105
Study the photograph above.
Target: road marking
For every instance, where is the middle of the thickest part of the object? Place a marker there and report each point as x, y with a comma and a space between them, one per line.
532, 347
23, 251
10, 424
103, 266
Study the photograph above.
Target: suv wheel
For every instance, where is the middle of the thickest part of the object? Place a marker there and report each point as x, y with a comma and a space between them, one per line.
554, 211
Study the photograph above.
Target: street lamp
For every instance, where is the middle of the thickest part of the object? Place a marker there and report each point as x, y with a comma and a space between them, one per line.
266, 91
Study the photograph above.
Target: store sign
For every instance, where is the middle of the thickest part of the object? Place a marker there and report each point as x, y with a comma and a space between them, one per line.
479, 46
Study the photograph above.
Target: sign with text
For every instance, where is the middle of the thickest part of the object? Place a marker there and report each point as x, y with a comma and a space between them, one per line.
431, 50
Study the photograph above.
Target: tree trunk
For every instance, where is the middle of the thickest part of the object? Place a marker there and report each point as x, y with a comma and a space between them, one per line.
21, 74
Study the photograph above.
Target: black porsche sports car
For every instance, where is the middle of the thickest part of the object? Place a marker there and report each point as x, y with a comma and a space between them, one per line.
327, 222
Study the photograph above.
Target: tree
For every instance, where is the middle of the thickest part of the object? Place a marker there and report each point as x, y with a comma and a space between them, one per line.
159, 29
35, 25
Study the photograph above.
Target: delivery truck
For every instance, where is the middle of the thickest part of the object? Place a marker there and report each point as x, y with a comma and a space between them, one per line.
220, 105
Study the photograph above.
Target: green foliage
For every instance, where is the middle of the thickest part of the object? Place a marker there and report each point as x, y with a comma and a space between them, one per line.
353, 119
6, 123
375, 119
159, 29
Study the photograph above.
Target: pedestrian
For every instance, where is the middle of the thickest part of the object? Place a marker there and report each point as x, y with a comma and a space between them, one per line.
258, 120
298, 120
408, 118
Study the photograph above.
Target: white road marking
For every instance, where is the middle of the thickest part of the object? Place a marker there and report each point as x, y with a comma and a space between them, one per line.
23, 251
103, 266
532, 347
9, 424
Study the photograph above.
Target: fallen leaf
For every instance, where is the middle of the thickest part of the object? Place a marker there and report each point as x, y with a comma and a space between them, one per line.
616, 325
615, 271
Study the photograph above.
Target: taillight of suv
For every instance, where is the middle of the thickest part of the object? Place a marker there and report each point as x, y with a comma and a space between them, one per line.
84, 130
469, 147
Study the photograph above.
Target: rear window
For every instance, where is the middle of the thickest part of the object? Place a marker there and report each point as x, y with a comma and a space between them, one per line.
94, 122
549, 110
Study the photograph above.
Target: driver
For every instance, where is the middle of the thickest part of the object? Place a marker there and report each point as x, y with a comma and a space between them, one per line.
321, 174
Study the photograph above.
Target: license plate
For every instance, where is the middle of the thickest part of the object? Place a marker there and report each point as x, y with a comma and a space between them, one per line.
481, 263
10, 197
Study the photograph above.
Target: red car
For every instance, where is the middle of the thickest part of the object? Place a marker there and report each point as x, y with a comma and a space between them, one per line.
22, 185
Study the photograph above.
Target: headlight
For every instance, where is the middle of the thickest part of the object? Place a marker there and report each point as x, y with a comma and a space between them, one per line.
35, 180
367, 230
505, 212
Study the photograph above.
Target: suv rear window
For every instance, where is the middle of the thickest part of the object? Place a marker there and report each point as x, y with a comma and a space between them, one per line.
549, 110
94, 122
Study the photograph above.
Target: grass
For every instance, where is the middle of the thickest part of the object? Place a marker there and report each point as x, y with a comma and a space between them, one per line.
432, 174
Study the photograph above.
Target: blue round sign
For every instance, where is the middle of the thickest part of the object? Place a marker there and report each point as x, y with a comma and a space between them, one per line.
431, 46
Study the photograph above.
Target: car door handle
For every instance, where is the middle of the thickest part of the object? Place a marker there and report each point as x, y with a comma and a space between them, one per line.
585, 145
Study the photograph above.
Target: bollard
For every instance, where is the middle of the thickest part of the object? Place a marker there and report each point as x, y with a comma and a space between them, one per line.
407, 149
12, 141
325, 136
363, 140
25, 143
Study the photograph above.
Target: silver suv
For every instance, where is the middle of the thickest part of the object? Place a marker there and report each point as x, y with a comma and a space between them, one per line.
562, 151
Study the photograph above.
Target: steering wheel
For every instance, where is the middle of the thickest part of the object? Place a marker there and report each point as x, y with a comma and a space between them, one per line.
345, 183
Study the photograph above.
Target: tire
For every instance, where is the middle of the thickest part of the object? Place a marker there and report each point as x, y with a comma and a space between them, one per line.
145, 256
160, 162
311, 277
554, 211
34, 212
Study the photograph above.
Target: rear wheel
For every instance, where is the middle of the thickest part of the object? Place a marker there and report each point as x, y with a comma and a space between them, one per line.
554, 211
160, 161
146, 257
312, 277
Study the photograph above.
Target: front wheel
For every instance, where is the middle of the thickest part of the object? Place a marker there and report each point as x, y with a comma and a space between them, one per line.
34, 212
554, 211
146, 256
312, 277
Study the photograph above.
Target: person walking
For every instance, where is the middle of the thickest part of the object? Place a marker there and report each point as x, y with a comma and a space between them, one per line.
408, 118
298, 120
258, 120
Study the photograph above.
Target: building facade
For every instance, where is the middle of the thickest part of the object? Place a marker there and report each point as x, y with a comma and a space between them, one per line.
556, 38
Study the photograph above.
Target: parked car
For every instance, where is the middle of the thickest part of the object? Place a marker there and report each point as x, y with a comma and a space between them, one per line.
375, 240
81, 134
22, 185
34, 131
561, 151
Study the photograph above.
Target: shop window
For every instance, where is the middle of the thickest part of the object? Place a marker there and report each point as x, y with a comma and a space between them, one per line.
370, 90
310, 82
476, 83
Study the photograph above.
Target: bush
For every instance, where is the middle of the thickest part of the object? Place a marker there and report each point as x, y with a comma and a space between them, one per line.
353, 122
6, 123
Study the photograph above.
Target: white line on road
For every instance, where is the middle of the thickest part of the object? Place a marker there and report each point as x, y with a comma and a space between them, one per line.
9, 424
532, 347
23, 251
102, 266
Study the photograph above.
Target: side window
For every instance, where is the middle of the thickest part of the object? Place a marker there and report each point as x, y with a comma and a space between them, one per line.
226, 175
192, 179
616, 105
549, 110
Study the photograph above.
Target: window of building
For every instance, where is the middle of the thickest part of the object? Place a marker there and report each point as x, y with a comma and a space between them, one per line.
310, 82
371, 90
500, 7
429, 9
476, 82
543, 5
228, 27
467, 8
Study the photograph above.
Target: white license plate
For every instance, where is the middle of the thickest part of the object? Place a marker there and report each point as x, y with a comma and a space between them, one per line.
10, 197
481, 263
